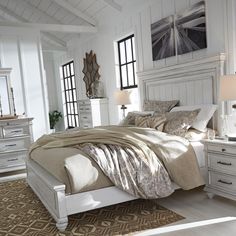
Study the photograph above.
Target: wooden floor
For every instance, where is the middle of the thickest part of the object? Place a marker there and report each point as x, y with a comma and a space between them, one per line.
203, 216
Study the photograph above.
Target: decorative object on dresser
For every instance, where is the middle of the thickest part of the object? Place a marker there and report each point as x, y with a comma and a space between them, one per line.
93, 112
221, 168
122, 98
91, 76
7, 108
227, 93
15, 139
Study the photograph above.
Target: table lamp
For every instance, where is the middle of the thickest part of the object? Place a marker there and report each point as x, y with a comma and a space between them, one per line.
228, 93
122, 98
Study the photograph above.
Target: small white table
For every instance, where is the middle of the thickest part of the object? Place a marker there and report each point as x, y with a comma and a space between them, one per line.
221, 167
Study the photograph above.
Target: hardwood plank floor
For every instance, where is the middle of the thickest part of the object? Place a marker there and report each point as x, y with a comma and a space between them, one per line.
203, 216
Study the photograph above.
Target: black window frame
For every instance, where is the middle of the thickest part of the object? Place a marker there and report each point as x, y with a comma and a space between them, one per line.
70, 92
133, 62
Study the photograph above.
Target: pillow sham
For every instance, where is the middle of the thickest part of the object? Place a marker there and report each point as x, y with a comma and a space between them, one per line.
159, 107
130, 118
178, 123
155, 122
206, 113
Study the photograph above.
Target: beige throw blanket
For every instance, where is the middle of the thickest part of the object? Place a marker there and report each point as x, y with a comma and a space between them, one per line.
132, 157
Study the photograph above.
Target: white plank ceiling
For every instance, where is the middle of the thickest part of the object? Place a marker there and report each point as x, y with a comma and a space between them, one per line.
59, 12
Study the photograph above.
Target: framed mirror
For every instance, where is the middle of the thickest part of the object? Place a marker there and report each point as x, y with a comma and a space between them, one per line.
6, 107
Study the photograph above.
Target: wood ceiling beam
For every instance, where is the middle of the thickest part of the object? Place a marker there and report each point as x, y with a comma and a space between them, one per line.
18, 18
113, 4
52, 27
66, 5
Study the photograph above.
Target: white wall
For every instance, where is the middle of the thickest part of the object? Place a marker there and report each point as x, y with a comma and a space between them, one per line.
20, 49
136, 17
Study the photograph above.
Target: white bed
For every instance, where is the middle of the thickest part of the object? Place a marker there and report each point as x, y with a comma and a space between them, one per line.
192, 83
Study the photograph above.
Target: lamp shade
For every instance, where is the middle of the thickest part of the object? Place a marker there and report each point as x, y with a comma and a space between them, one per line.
122, 97
227, 88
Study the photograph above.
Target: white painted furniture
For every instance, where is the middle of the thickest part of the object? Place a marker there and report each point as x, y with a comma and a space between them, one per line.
195, 83
221, 166
93, 112
15, 139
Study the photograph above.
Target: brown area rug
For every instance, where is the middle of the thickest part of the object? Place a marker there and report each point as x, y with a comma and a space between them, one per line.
22, 213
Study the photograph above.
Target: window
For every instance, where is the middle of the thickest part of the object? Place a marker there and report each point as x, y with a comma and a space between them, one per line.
127, 62
69, 95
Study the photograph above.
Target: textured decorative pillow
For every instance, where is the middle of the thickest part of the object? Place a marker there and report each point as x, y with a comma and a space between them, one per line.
203, 117
159, 106
130, 118
178, 123
155, 122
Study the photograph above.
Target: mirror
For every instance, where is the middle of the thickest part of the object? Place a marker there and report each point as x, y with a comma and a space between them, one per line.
5, 92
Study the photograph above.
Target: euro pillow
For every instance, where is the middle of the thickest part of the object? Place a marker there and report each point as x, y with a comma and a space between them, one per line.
155, 122
159, 107
178, 123
130, 118
205, 114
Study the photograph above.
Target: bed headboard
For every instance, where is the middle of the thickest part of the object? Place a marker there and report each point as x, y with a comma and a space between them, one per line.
192, 83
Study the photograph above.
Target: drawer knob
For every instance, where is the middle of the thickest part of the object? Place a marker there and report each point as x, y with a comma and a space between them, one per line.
10, 145
224, 182
223, 149
224, 163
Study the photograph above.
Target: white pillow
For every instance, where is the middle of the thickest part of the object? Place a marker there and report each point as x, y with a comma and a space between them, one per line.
203, 116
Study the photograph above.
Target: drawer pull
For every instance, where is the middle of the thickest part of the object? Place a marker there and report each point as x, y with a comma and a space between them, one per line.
224, 163
85, 117
10, 145
223, 149
13, 159
224, 182
16, 131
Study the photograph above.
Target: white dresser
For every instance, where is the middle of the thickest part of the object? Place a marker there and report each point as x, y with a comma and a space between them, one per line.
15, 139
221, 165
93, 112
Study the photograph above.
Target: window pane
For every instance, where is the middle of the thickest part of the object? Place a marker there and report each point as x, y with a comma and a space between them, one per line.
133, 43
65, 71
129, 50
122, 53
124, 76
130, 74
73, 81
74, 93
68, 70
72, 68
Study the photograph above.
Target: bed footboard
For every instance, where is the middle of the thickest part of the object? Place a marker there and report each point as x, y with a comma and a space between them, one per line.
50, 191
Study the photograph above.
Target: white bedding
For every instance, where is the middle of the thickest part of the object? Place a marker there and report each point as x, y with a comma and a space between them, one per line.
199, 151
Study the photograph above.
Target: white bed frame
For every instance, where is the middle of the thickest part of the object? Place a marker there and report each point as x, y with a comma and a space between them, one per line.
184, 82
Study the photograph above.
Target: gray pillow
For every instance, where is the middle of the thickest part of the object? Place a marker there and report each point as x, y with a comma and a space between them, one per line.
178, 123
159, 107
131, 116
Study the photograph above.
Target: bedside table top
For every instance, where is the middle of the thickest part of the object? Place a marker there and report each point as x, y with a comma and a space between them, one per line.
219, 141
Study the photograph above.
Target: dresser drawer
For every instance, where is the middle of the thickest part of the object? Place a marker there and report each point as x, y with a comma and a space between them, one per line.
85, 108
8, 145
9, 131
222, 181
84, 102
222, 149
85, 125
13, 159
222, 163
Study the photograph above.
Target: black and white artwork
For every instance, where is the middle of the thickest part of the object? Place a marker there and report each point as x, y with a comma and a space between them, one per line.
180, 33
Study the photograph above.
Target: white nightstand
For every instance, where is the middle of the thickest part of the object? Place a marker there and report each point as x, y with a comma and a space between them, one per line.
221, 166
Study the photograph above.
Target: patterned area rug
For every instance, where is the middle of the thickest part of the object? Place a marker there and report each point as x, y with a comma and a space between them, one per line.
22, 213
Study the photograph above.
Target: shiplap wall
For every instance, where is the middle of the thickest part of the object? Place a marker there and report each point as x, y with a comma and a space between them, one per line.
136, 18
20, 49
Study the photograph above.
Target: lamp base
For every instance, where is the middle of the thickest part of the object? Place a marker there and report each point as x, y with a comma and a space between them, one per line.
123, 108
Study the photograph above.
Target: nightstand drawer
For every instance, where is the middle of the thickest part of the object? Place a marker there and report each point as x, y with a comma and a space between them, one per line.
17, 158
8, 145
222, 149
222, 163
221, 181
